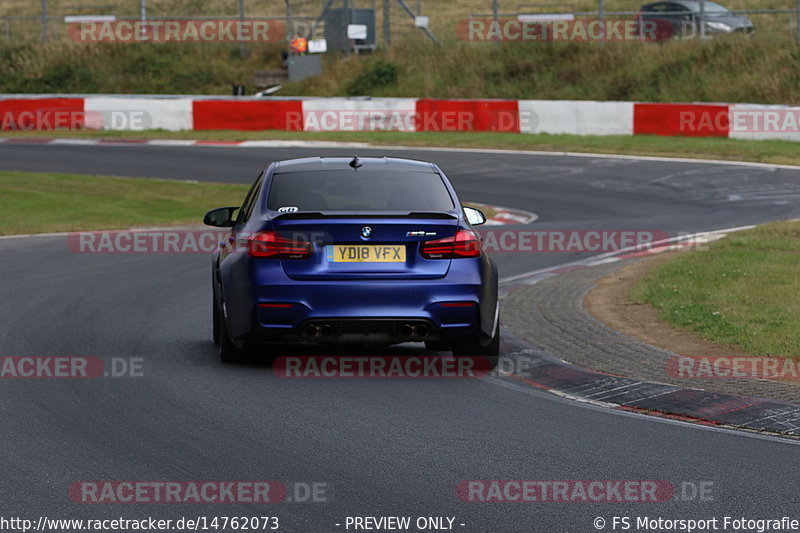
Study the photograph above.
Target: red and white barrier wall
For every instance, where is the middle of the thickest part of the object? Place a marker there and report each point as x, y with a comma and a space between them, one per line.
577, 117
111, 113
176, 113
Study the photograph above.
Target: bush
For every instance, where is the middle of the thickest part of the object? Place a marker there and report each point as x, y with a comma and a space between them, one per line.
380, 74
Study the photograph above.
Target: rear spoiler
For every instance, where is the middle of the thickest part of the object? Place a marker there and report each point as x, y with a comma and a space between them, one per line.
305, 215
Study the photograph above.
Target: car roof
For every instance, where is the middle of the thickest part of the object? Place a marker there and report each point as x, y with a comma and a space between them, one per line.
379, 164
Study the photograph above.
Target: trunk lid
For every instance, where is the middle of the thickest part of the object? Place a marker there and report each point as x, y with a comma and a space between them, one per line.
374, 246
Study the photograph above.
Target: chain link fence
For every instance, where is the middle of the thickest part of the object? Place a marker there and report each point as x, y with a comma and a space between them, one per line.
434, 21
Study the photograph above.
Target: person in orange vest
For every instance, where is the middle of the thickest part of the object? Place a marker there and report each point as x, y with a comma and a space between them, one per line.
298, 45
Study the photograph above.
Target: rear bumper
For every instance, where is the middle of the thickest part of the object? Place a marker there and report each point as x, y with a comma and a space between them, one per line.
370, 330
368, 311
261, 300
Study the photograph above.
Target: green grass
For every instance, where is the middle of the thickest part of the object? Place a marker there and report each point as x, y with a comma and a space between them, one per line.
67, 67
776, 152
37, 202
764, 69
742, 290
51, 202
443, 14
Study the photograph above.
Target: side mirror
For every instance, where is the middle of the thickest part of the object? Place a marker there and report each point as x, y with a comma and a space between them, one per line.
474, 216
222, 217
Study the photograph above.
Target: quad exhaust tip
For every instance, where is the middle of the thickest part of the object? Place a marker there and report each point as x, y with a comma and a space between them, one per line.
326, 330
414, 331
311, 331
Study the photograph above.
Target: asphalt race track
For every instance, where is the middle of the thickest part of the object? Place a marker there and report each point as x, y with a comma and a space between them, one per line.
382, 447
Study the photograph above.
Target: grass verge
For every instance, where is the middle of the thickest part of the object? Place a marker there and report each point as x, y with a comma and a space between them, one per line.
776, 152
51, 202
741, 291
764, 69
37, 202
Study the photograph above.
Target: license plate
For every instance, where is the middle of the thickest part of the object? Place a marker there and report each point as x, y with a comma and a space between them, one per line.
372, 253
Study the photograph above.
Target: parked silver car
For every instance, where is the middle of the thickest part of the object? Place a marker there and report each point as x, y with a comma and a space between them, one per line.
683, 18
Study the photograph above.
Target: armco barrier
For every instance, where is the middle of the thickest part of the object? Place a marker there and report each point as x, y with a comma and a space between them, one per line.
175, 113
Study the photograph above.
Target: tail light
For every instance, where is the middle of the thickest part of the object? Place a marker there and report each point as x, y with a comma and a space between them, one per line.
463, 244
273, 245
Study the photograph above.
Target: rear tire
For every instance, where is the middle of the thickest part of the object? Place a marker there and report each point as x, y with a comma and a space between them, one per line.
438, 346
231, 351
216, 312
472, 347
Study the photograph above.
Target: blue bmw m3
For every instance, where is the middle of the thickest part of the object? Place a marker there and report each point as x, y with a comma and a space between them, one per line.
376, 251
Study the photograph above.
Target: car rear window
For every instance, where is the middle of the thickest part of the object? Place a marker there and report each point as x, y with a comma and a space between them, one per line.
335, 190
